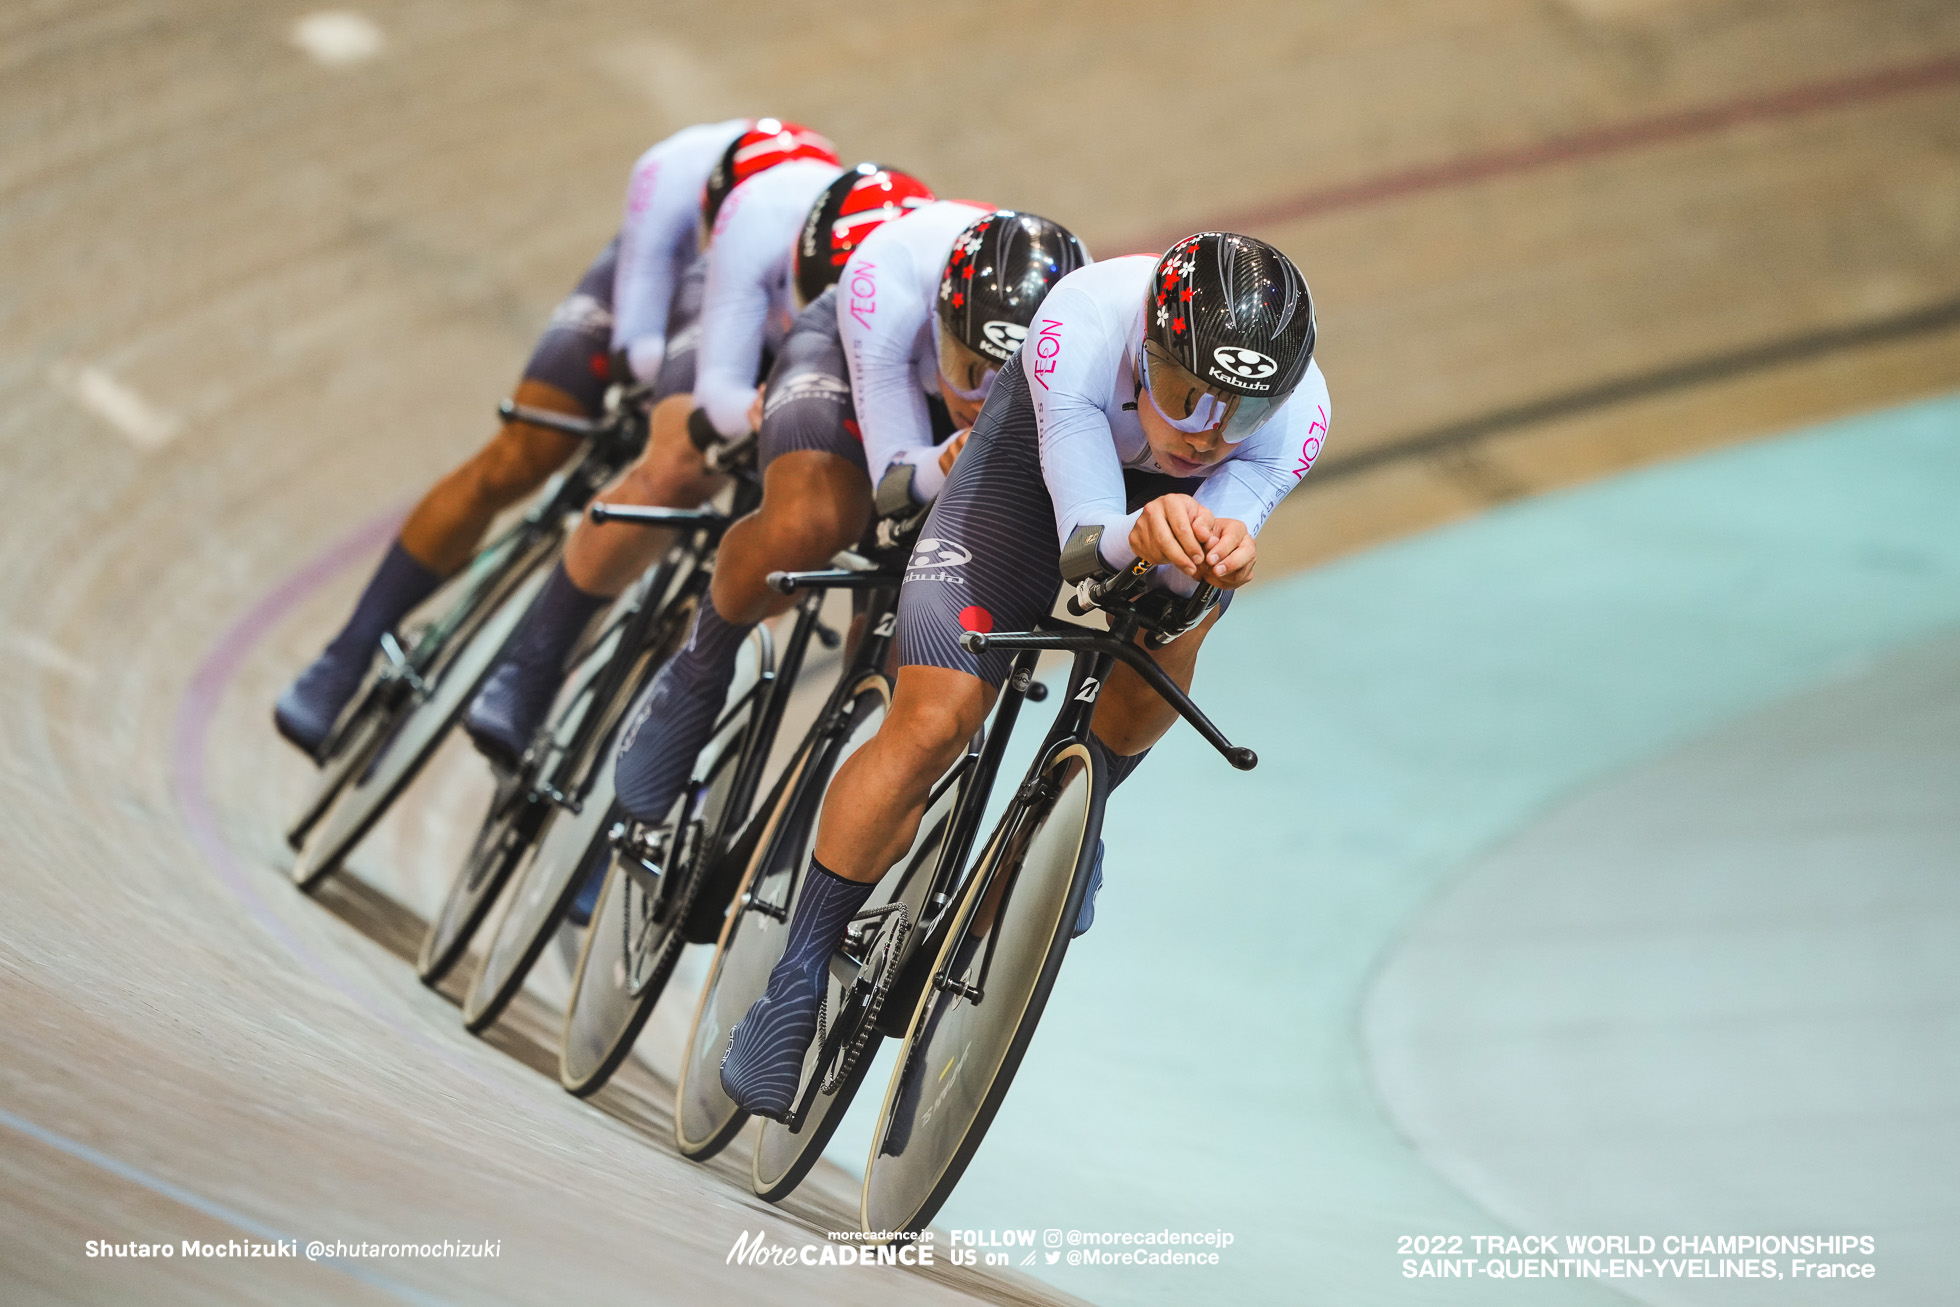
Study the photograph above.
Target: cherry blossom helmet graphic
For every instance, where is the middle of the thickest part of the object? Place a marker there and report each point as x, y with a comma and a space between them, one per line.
849, 209
1228, 331
767, 142
1001, 268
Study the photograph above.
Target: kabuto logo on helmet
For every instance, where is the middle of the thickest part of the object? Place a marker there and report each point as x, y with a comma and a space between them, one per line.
1245, 364
997, 273
1003, 338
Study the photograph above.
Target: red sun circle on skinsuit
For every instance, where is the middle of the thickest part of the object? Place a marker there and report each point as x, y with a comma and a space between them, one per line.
975, 618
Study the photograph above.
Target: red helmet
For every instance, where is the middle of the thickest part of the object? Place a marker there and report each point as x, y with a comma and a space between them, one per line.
768, 142
850, 208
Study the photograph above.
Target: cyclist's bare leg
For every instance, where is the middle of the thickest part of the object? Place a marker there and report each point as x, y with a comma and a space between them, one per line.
444, 529
599, 563
604, 560
814, 503
440, 534
872, 809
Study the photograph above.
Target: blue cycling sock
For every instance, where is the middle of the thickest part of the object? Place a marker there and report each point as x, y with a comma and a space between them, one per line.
766, 1050
555, 621
673, 722
399, 583
306, 711
515, 699
1116, 766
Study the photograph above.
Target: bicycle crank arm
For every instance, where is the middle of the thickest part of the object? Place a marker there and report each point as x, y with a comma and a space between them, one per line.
401, 668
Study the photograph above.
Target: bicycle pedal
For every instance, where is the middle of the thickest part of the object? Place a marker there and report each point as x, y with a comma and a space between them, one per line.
642, 853
636, 839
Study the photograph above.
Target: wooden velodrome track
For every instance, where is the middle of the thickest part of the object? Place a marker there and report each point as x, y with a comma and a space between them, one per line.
248, 303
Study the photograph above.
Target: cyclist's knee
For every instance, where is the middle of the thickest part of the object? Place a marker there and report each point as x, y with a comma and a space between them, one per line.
669, 473
807, 533
934, 716
815, 502
519, 460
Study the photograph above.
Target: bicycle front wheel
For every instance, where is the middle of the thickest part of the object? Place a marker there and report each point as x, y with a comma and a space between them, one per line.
501, 842
988, 986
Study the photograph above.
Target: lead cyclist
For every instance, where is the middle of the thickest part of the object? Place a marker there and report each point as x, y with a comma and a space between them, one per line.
1158, 410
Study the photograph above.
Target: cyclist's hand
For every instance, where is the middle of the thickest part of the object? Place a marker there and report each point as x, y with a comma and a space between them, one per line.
951, 450
1174, 529
1228, 555
755, 411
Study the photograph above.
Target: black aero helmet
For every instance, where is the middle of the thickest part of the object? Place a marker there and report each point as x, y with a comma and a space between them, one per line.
853, 206
1228, 331
1001, 268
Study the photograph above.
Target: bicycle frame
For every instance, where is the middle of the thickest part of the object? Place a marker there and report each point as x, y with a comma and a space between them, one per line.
874, 644
611, 443
1096, 654
677, 575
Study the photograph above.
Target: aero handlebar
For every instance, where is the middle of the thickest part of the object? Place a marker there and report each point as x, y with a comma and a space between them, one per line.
1141, 663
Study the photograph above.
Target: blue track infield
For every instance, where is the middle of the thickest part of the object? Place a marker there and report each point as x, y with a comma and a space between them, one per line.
1201, 1065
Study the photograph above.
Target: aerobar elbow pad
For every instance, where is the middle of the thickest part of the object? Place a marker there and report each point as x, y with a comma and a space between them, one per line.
1082, 558
893, 498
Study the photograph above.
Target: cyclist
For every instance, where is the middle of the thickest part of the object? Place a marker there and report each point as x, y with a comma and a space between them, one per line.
877, 378
754, 205
634, 303
1157, 411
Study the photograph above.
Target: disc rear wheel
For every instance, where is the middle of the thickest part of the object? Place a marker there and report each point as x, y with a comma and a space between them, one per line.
705, 1118
636, 932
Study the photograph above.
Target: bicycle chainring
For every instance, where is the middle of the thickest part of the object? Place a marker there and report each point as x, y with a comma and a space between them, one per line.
861, 1004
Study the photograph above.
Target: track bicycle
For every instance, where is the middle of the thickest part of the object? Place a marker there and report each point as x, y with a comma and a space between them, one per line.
899, 971
992, 940
550, 814
421, 684
753, 935
667, 884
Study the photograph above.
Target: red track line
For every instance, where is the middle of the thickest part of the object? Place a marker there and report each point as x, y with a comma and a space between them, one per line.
1682, 125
